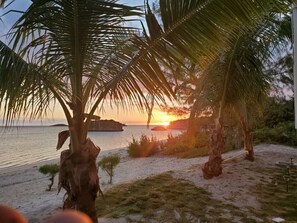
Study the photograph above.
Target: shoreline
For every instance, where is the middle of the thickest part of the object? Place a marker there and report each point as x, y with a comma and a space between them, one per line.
15, 168
19, 152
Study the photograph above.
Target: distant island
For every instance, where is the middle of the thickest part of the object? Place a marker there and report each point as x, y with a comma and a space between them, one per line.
180, 124
101, 126
203, 123
159, 128
58, 125
106, 126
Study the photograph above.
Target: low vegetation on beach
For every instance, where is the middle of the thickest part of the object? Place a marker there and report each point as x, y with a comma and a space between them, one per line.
51, 170
108, 164
274, 198
181, 146
163, 198
185, 146
277, 126
143, 147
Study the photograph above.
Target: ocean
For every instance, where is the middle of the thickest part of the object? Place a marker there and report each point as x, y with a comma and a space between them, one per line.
27, 145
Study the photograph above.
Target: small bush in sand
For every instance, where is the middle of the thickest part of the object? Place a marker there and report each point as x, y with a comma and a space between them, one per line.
184, 146
145, 147
51, 170
108, 163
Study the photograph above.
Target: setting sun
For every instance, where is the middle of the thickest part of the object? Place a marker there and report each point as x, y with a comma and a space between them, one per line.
165, 123
162, 118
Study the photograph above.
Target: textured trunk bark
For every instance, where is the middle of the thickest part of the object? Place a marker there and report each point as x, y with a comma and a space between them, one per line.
247, 139
78, 176
192, 128
111, 174
213, 167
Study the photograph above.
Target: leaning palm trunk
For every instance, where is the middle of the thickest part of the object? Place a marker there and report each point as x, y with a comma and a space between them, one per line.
213, 167
78, 176
247, 139
192, 128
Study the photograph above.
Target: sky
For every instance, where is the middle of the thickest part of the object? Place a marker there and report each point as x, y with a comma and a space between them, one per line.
132, 116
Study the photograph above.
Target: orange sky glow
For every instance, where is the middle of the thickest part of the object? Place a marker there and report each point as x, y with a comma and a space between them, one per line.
129, 117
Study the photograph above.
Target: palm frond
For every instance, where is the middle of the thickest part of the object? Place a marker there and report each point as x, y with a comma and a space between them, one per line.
22, 89
202, 29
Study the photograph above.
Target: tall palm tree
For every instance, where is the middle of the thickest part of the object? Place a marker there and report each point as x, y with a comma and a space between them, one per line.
240, 81
239, 67
74, 52
235, 78
78, 53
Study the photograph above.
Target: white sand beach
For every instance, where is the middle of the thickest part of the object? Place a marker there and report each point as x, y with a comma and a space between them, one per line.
23, 188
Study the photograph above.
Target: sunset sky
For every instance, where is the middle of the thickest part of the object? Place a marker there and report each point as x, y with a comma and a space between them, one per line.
132, 116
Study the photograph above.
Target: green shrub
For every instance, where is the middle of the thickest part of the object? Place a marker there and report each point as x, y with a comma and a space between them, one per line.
282, 133
51, 170
229, 147
144, 147
108, 163
278, 111
177, 145
202, 140
184, 146
277, 125
194, 152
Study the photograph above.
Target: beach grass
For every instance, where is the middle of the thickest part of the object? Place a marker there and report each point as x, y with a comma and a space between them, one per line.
163, 198
193, 153
274, 198
185, 146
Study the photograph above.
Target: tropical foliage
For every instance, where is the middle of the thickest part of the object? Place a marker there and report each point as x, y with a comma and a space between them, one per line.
186, 146
143, 147
277, 126
234, 79
79, 54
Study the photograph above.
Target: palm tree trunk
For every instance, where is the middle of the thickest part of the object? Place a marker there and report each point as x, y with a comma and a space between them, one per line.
247, 139
213, 167
192, 128
79, 177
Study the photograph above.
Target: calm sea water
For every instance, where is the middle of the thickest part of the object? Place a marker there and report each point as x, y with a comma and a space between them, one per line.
26, 145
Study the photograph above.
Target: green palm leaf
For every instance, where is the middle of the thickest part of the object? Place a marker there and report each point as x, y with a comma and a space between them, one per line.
202, 29
22, 91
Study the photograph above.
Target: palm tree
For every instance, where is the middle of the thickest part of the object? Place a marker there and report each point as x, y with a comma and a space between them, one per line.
242, 66
78, 53
236, 77
74, 52
240, 81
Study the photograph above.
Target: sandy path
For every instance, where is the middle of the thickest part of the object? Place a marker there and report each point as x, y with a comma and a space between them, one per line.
24, 188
